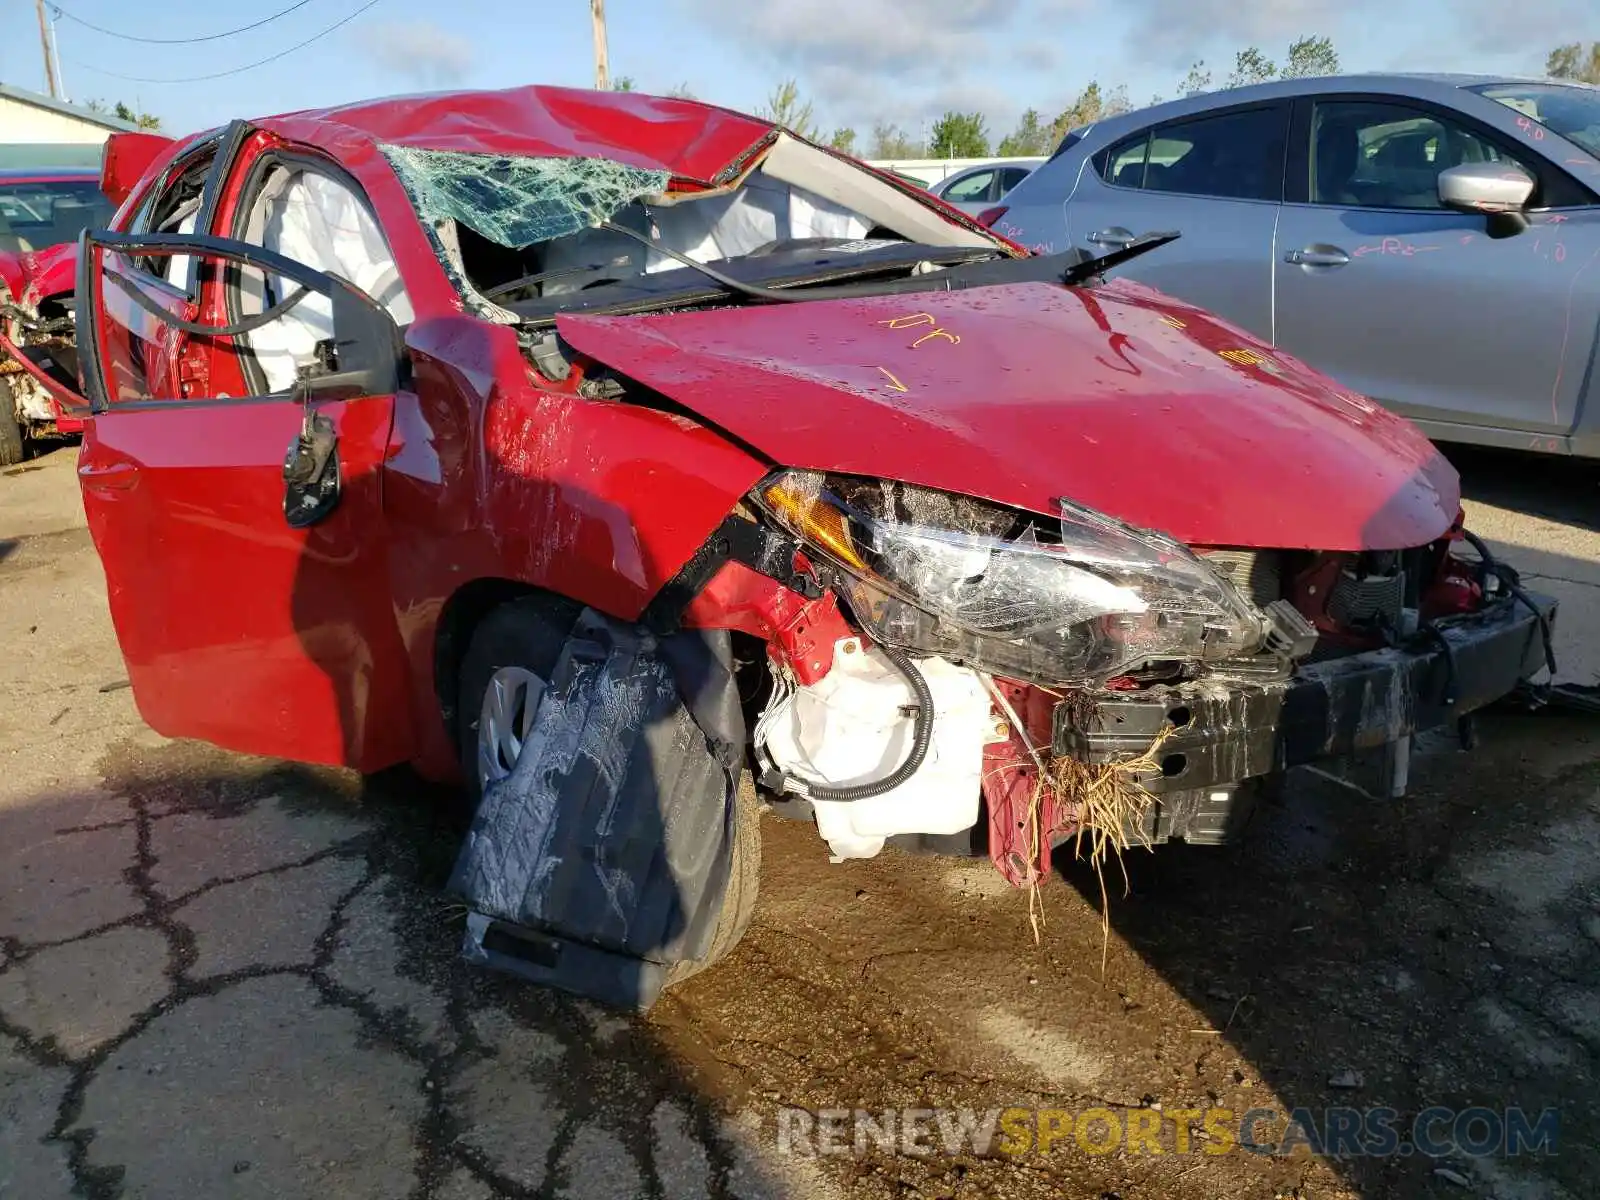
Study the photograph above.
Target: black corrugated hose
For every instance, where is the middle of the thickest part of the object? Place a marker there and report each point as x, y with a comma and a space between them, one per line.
1507, 575
921, 738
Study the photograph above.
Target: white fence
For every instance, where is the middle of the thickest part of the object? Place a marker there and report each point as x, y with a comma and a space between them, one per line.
934, 170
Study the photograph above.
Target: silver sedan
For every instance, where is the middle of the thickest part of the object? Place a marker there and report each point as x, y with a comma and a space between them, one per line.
1431, 241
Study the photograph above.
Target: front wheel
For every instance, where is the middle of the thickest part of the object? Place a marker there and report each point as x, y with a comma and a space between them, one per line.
508, 664
13, 439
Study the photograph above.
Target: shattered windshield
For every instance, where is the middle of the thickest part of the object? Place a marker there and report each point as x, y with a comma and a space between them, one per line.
519, 201
514, 230
1573, 112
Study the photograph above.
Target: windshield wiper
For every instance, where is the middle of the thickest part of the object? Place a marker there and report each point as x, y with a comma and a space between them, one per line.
1091, 267
754, 291
1069, 269
522, 281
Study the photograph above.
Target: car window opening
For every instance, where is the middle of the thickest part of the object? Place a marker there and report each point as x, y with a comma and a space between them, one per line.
1572, 111
518, 229
315, 219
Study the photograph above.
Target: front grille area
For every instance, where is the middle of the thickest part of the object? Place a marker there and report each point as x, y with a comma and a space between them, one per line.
1356, 600
1258, 574
1367, 602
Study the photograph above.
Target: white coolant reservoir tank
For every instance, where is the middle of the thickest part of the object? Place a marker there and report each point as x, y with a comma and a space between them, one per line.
855, 725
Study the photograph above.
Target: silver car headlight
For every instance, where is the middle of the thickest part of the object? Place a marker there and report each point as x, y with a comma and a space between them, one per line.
1072, 601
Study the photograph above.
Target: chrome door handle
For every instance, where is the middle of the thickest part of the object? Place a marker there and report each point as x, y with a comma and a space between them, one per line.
1116, 237
1316, 258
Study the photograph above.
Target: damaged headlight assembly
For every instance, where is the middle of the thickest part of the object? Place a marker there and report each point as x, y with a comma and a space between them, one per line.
1007, 592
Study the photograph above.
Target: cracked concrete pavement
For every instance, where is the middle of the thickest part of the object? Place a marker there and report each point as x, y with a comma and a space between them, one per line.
227, 977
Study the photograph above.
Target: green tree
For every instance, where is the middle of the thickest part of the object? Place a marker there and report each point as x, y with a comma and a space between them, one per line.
1251, 66
682, 92
1311, 56
843, 140
1572, 62
122, 112
1196, 81
1031, 136
890, 141
622, 83
1092, 104
959, 135
787, 108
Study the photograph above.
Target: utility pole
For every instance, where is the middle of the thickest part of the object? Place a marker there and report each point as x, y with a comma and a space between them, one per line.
55, 55
49, 59
597, 10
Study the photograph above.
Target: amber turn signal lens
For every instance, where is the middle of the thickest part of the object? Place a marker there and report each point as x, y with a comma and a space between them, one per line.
820, 522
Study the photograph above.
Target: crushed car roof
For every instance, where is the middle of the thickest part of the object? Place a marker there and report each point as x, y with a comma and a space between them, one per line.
693, 142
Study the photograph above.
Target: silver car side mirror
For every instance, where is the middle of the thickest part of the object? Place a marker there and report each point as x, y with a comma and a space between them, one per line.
1499, 191
1485, 187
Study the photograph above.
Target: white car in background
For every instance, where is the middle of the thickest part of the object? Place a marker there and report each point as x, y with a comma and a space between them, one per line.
976, 188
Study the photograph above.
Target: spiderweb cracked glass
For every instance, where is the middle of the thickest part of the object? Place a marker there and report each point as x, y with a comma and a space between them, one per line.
519, 201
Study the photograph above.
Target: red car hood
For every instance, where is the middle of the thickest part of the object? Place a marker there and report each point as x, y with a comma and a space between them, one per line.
32, 275
1117, 397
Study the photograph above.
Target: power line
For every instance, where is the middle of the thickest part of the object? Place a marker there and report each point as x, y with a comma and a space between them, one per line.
149, 41
235, 70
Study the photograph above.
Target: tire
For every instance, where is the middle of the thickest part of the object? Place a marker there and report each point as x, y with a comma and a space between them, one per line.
530, 633
13, 440
744, 885
526, 633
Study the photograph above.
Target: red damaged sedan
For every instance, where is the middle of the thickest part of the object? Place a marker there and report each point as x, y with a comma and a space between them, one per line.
42, 212
603, 449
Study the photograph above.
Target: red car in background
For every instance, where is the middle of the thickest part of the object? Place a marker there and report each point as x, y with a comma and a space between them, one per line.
600, 450
40, 210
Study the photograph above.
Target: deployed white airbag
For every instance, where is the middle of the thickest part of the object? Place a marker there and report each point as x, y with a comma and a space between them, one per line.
706, 229
314, 219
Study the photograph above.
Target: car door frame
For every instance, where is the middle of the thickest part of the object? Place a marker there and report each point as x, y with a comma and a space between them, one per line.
1550, 178
363, 681
1297, 171
1094, 163
48, 374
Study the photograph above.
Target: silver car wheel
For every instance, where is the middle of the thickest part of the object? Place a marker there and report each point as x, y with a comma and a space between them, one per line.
509, 705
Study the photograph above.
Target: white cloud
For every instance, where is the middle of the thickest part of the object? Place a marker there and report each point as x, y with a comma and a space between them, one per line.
1174, 33
905, 62
422, 51
908, 37
902, 62
1492, 26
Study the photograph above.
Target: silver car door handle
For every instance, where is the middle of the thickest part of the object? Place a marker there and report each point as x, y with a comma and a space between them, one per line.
1317, 258
1116, 237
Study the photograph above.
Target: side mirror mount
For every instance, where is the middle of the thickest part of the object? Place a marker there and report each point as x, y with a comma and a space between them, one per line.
1499, 191
364, 357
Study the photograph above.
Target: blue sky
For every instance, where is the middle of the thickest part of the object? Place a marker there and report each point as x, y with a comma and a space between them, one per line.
859, 61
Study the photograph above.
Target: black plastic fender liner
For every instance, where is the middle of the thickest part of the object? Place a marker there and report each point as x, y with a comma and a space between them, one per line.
603, 859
